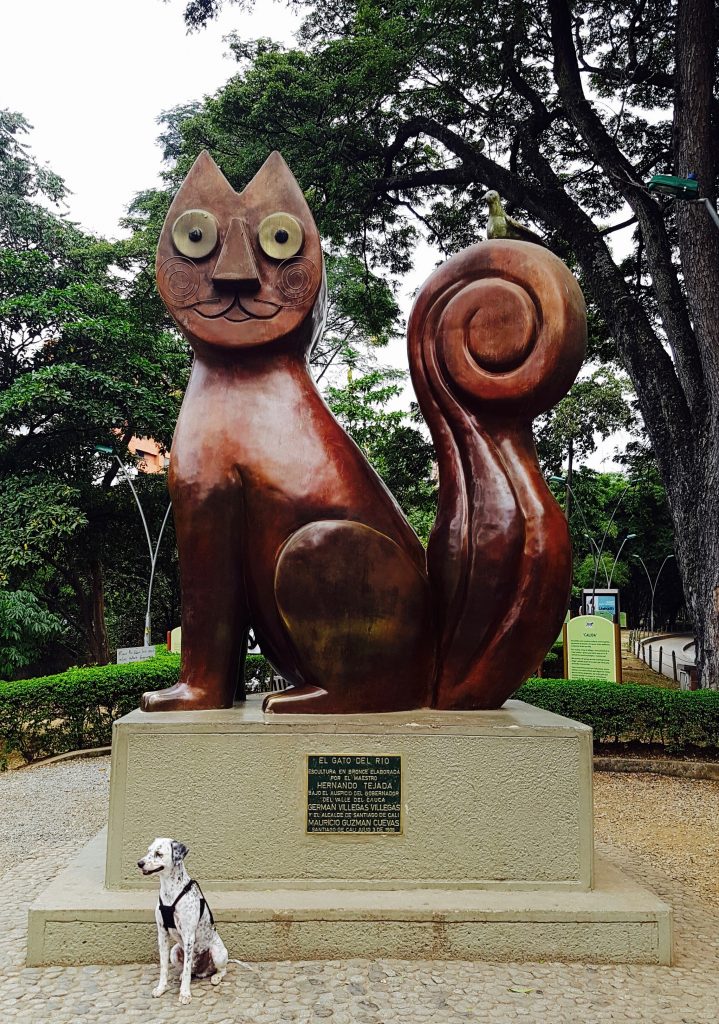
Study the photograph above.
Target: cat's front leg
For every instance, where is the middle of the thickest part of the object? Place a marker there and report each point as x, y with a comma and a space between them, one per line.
208, 523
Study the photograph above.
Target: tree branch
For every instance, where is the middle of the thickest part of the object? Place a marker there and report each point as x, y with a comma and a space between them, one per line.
670, 300
618, 227
547, 201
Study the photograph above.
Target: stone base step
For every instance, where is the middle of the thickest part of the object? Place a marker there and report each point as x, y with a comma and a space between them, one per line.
77, 921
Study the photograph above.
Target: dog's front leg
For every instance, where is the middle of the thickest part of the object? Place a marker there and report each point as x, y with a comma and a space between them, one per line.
163, 942
189, 944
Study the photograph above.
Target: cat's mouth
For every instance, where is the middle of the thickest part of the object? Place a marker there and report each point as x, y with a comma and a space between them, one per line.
236, 308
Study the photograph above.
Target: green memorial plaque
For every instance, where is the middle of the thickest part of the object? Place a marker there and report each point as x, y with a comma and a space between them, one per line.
351, 793
592, 648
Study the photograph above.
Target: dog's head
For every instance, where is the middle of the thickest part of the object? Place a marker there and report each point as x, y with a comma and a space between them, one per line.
162, 855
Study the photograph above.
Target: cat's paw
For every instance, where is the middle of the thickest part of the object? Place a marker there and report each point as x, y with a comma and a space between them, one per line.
184, 697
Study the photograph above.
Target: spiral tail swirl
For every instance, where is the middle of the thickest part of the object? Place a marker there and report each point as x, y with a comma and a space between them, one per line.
496, 336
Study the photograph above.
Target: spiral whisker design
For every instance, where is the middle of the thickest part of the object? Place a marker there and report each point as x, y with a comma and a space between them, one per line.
296, 279
180, 279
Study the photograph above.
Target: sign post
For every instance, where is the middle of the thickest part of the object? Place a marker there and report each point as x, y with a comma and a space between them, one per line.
126, 655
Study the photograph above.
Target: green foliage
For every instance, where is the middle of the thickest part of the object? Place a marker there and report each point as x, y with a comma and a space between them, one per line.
74, 710
399, 452
396, 117
24, 627
596, 405
678, 720
641, 508
361, 317
85, 358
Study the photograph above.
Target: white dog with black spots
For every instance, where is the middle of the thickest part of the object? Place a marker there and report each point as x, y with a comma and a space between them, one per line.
182, 915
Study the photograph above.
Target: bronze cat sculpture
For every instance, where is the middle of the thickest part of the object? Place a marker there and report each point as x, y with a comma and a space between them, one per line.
283, 526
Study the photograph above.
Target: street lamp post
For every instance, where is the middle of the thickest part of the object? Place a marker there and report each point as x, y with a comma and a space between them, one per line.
595, 548
592, 542
606, 534
106, 450
629, 536
652, 586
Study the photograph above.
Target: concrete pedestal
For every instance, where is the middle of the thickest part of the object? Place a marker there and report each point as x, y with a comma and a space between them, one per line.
494, 860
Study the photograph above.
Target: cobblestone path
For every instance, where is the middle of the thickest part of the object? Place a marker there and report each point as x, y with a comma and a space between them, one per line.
41, 835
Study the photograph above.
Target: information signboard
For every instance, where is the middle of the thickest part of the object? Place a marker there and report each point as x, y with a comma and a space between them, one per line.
592, 649
601, 602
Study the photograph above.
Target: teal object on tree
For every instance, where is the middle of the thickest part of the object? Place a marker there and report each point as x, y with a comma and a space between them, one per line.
671, 185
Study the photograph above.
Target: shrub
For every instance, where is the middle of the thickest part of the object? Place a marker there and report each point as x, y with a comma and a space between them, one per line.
553, 664
52, 714
76, 709
676, 719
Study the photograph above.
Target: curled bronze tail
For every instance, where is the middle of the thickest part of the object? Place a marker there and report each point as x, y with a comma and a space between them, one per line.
496, 336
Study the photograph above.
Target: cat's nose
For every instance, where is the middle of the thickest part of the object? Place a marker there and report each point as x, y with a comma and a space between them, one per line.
236, 263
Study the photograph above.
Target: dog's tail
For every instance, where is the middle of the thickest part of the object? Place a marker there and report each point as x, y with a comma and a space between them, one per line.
242, 963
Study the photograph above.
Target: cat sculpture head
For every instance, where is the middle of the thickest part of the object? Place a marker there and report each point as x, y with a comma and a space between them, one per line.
238, 270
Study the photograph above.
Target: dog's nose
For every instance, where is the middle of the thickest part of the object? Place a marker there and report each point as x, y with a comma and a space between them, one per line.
141, 863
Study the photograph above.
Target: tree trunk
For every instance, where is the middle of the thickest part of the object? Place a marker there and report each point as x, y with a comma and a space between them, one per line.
678, 395
570, 470
697, 551
92, 609
695, 507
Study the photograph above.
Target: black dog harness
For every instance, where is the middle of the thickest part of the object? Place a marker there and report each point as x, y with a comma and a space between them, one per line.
168, 910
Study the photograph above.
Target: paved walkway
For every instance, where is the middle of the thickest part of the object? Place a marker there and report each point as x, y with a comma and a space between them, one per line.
52, 810
682, 647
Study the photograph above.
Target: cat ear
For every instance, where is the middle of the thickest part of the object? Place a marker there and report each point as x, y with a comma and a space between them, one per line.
276, 183
204, 183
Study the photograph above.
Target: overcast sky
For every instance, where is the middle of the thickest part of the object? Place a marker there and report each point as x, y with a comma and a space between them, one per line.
93, 76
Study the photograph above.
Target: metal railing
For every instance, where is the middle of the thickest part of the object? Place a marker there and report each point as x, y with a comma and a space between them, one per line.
656, 657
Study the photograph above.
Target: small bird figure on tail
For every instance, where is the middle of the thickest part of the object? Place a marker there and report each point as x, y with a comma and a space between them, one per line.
500, 225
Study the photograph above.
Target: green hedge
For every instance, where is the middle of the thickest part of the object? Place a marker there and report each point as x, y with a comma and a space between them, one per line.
679, 720
51, 714
553, 664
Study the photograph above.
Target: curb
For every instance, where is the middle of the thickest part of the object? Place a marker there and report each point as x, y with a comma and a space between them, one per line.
647, 766
70, 755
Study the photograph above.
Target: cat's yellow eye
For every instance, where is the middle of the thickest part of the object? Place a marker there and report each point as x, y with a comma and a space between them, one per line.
281, 236
194, 233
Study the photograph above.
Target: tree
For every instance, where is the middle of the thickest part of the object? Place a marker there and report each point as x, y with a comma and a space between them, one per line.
84, 359
396, 116
619, 504
25, 626
595, 405
399, 452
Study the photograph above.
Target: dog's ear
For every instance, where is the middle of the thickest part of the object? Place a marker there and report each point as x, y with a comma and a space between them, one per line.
179, 852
